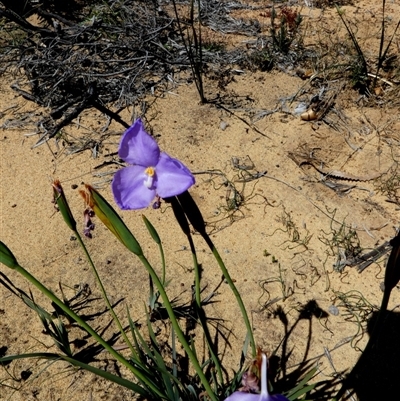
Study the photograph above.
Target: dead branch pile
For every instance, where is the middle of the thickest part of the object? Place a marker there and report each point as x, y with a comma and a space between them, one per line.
113, 55
106, 54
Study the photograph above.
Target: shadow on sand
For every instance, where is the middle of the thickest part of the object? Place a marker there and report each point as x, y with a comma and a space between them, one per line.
377, 374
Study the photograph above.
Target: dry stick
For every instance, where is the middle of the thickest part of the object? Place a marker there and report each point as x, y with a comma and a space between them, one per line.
194, 64
355, 42
47, 14
57, 113
71, 116
26, 95
75, 113
240, 118
22, 22
198, 50
110, 113
382, 57
367, 259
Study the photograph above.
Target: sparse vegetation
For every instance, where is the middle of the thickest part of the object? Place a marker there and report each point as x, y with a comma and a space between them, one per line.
362, 75
342, 243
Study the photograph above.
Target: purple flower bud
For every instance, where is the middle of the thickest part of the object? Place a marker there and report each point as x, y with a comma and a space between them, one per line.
157, 203
264, 395
250, 383
87, 233
88, 224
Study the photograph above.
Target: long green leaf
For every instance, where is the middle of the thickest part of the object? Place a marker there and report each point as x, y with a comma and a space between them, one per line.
301, 387
159, 360
106, 375
154, 234
45, 291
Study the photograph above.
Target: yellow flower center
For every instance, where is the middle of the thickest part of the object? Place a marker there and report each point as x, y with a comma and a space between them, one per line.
150, 172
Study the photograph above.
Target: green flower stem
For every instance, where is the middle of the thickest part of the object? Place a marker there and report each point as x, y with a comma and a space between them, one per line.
154, 234
200, 312
178, 330
234, 290
162, 262
86, 327
105, 297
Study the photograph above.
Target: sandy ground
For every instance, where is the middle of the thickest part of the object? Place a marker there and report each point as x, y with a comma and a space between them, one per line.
278, 242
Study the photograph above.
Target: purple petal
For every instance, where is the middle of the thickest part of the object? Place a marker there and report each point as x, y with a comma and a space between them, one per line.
173, 177
129, 190
277, 397
138, 147
242, 396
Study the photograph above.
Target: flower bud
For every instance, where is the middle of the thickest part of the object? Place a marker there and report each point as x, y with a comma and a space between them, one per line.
110, 218
7, 257
61, 201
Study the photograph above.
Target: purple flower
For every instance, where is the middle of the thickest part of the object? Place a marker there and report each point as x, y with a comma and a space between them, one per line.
152, 172
264, 395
